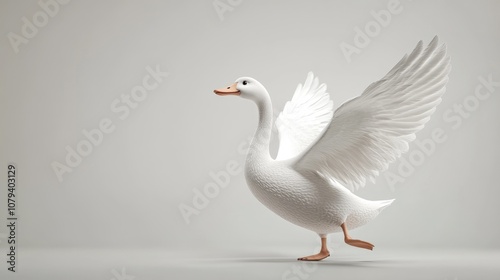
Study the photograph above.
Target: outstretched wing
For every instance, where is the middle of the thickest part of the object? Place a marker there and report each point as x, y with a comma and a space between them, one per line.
374, 129
303, 118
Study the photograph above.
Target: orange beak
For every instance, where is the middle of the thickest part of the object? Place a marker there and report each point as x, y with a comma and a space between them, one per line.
230, 90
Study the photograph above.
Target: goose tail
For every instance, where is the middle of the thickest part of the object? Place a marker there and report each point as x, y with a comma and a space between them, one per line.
382, 204
368, 211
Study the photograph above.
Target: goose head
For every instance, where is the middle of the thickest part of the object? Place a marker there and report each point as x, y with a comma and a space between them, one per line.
246, 87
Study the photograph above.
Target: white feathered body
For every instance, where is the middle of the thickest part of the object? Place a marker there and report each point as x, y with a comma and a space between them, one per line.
308, 200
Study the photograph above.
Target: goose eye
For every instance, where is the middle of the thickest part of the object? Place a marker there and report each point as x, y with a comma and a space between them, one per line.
245, 83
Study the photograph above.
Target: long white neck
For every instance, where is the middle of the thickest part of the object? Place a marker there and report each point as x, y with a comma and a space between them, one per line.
259, 148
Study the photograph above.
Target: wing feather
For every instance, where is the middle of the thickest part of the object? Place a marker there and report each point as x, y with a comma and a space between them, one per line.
304, 118
369, 132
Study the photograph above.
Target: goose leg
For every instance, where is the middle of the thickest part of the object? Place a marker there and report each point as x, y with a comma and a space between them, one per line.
355, 242
323, 253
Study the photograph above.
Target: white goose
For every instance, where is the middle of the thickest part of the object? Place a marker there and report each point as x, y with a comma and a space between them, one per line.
321, 151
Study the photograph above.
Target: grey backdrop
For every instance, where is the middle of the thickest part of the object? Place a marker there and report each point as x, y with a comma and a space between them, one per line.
127, 191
